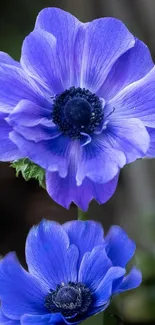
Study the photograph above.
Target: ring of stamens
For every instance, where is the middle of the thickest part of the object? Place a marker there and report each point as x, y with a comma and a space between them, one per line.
77, 111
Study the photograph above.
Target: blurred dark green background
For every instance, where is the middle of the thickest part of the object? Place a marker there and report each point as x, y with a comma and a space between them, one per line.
133, 205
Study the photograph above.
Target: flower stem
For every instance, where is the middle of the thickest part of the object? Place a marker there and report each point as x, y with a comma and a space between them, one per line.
82, 215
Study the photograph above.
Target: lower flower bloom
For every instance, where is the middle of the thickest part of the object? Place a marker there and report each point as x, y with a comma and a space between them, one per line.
73, 272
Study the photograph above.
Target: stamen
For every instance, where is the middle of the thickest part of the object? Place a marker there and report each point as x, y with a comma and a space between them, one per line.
70, 299
77, 110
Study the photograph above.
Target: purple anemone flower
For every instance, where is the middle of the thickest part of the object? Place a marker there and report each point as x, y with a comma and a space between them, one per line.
80, 104
73, 272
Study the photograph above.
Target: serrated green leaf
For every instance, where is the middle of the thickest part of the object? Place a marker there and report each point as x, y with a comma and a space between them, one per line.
29, 170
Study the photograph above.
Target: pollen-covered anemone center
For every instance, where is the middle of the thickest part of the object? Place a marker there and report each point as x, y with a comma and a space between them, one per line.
77, 111
69, 300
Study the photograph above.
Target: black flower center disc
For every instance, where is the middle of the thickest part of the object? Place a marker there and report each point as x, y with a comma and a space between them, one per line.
77, 111
70, 299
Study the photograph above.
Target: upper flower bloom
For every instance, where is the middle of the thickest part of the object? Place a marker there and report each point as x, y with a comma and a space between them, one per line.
81, 104
73, 273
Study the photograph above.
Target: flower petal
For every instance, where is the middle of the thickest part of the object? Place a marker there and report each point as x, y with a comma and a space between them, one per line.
99, 162
57, 187
151, 151
39, 60
130, 67
42, 319
49, 256
30, 121
104, 291
8, 150
130, 136
131, 281
120, 248
14, 86
85, 235
135, 101
7, 321
64, 27
20, 292
105, 40
49, 154
93, 268
29, 114
6, 59
38, 133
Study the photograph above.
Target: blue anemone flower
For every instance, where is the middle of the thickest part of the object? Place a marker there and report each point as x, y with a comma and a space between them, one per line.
80, 104
73, 272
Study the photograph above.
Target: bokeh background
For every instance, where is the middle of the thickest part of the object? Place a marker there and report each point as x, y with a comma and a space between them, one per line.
133, 206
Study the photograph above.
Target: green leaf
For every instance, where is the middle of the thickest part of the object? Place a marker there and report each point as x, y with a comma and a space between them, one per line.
29, 170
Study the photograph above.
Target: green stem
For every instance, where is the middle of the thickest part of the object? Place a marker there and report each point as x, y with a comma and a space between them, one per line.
82, 215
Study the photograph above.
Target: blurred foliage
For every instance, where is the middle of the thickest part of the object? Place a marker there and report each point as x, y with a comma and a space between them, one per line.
98, 319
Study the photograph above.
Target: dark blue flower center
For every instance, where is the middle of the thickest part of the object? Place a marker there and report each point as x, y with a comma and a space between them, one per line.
69, 300
77, 111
